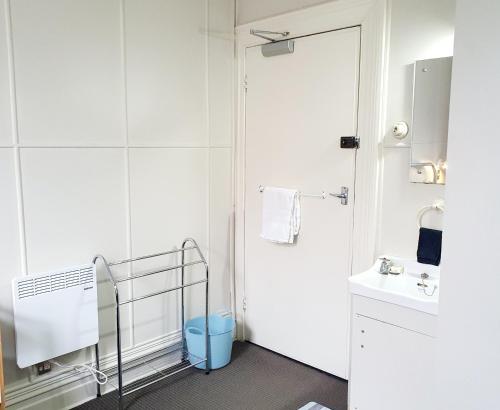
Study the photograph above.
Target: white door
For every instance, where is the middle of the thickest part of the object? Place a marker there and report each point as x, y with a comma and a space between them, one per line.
297, 108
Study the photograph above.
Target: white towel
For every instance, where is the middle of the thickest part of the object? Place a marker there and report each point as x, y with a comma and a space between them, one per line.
280, 214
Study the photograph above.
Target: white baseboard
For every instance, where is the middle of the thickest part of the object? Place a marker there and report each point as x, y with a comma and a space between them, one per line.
67, 388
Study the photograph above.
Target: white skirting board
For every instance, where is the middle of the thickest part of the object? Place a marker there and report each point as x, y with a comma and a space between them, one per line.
68, 389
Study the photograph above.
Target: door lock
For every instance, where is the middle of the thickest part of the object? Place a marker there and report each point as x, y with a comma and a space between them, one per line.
349, 142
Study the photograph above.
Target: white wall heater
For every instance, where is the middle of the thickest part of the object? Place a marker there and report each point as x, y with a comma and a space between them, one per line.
54, 313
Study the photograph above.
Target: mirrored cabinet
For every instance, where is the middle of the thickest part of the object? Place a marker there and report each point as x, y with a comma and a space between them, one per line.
429, 126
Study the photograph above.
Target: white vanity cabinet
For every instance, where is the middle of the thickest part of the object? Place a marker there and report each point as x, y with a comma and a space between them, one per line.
392, 356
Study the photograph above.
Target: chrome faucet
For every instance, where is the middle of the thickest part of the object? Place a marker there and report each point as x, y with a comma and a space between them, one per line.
385, 266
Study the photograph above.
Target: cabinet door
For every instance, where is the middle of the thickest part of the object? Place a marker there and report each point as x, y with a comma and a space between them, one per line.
392, 368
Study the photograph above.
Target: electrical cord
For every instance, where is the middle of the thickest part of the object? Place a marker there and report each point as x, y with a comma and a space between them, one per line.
97, 375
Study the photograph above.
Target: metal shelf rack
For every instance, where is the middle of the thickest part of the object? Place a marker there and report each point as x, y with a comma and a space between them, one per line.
188, 244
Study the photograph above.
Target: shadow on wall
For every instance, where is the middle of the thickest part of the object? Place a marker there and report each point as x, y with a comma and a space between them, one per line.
12, 373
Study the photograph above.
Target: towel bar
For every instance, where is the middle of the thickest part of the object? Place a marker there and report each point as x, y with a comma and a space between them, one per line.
323, 194
343, 196
158, 374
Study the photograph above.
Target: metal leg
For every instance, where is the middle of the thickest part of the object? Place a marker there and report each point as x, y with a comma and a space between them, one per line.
98, 368
207, 363
183, 340
119, 347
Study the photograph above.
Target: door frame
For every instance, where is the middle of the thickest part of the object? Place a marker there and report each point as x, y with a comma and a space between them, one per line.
371, 16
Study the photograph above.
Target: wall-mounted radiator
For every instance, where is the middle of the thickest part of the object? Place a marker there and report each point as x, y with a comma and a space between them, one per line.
54, 313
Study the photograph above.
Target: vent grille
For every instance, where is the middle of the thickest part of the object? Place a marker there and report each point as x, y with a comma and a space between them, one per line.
86, 276
53, 282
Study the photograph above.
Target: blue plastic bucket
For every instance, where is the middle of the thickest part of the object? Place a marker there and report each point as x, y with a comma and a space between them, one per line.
220, 340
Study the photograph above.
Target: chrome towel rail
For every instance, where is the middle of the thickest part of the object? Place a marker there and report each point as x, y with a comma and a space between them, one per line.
323, 194
163, 291
150, 256
159, 374
155, 271
343, 196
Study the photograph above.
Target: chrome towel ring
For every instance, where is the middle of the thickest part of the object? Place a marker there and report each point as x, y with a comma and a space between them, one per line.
436, 206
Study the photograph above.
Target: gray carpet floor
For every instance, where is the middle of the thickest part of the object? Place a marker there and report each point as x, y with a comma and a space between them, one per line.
256, 379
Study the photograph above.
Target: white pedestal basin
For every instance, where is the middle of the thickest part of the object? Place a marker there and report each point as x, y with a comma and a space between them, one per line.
402, 289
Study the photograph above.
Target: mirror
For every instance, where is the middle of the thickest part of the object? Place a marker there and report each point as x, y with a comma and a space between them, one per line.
429, 136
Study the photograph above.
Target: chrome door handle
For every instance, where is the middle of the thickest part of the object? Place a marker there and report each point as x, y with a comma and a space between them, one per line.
344, 195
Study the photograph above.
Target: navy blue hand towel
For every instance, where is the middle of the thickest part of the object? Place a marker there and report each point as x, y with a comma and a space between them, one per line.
429, 246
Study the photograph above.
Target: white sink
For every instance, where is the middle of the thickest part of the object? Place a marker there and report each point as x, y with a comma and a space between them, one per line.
400, 289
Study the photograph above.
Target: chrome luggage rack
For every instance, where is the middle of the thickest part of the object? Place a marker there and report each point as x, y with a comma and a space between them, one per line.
188, 244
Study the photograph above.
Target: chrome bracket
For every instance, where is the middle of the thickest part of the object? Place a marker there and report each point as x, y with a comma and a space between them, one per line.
265, 34
343, 196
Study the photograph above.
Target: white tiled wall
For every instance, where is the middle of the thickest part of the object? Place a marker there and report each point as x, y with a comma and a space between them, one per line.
166, 40
168, 196
123, 112
258, 9
68, 72
74, 205
220, 70
220, 226
401, 202
10, 258
5, 100
418, 31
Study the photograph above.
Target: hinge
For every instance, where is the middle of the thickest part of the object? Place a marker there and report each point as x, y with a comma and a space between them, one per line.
351, 142
244, 303
245, 83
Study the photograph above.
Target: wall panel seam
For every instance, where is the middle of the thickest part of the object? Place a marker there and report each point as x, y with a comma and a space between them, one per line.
15, 140
123, 45
208, 235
